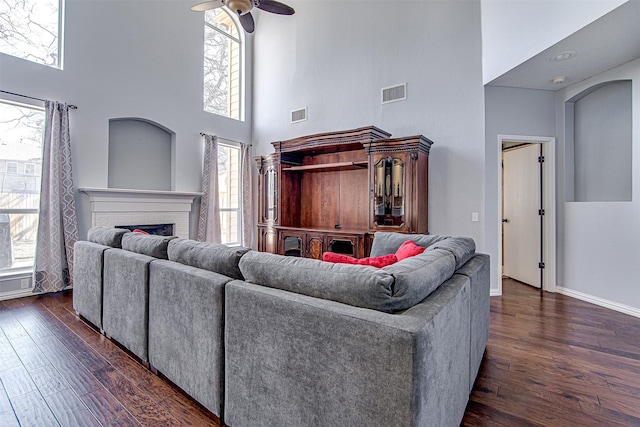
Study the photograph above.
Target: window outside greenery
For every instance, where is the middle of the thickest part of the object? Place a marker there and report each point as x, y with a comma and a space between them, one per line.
21, 136
229, 193
222, 64
30, 29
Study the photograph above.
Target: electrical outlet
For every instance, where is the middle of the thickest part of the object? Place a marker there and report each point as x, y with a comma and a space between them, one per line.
24, 284
474, 216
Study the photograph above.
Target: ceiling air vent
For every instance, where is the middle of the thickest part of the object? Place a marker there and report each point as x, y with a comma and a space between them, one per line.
299, 115
394, 93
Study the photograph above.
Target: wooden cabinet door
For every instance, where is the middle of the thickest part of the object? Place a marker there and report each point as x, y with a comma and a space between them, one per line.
352, 245
390, 190
315, 245
291, 243
267, 240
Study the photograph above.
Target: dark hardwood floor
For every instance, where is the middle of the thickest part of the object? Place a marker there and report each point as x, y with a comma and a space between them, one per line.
550, 361
56, 370
556, 361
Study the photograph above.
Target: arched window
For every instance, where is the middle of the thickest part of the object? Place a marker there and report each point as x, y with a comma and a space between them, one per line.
223, 62
32, 30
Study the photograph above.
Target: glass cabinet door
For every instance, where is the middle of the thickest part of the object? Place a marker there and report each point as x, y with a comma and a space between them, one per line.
388, 192
270, 195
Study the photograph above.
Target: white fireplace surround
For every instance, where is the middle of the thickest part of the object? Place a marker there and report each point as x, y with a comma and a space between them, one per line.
117, 206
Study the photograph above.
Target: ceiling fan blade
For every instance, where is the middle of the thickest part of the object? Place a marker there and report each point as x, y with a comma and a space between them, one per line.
274, 6
247, 22
207, 5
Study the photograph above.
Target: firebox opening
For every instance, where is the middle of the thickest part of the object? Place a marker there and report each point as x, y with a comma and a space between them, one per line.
157, 229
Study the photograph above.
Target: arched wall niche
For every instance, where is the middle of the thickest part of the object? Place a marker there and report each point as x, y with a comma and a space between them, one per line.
598, 154
141, 154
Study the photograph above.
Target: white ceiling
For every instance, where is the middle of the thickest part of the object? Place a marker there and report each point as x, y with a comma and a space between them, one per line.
606, 43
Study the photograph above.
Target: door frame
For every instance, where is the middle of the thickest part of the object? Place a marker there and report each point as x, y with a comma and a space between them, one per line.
549, 200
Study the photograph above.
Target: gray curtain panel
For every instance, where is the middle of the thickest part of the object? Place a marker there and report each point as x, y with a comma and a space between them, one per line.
57, 225
247, 189
209, 224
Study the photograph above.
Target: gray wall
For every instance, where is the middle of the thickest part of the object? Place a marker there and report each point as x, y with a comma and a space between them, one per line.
133, 58
335, 56
602, 144
509, 111
598, 254
139, 155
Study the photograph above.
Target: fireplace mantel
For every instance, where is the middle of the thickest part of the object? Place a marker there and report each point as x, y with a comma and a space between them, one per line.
118, 206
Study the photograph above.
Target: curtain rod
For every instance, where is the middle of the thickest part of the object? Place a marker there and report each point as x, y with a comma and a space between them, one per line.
73, 107
231, 140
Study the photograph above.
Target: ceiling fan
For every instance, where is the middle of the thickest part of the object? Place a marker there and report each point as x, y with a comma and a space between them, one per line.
243, 9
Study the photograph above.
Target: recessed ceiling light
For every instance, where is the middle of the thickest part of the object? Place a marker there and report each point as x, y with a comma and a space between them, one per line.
558, 80
563, 56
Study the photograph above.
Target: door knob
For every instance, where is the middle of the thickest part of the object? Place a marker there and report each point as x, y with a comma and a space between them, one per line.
505, 220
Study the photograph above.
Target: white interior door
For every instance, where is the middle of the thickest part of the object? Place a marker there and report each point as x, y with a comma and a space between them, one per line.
521, 219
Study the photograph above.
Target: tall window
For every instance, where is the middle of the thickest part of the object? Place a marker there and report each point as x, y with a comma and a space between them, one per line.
31, 29
222, 64
229, 188
21, 136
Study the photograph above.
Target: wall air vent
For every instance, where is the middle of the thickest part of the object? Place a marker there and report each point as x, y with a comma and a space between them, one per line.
299, 115
394, 93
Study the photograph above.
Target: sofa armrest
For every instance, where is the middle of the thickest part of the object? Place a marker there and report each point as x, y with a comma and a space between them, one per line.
292, 359
88, 262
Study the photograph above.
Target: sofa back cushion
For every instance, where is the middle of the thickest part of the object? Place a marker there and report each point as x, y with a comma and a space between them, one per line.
390, 289
106, 236
147, 244
417, 276
462, 248
208, 256
389, 242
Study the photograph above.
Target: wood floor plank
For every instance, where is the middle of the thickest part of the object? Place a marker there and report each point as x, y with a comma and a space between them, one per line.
78, 377
16, 382
49, 381
141, 406
7, 416
29, 353
70, 410
32, 411
8, 357
106, 408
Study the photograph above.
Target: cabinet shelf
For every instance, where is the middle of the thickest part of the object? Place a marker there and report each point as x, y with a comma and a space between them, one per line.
326, 167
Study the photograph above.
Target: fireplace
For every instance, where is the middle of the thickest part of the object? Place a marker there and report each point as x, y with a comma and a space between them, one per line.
113, 207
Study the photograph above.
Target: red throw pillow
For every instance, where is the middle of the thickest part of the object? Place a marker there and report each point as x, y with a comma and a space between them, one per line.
137, 230
408, 249
339, 258
378, 262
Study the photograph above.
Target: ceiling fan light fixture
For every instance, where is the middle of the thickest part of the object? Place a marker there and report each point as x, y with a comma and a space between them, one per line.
240, 7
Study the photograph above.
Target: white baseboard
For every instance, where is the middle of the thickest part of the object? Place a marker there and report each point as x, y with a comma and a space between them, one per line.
495, 293
632, 311
16, 294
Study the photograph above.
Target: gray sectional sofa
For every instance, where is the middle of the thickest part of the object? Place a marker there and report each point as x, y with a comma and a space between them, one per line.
263, 339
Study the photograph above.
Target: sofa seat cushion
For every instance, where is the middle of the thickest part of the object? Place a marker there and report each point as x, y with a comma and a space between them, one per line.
390, 289
107, 236
208, 256
147, 244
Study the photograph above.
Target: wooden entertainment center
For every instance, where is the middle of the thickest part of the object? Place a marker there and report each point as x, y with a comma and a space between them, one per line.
332, 191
